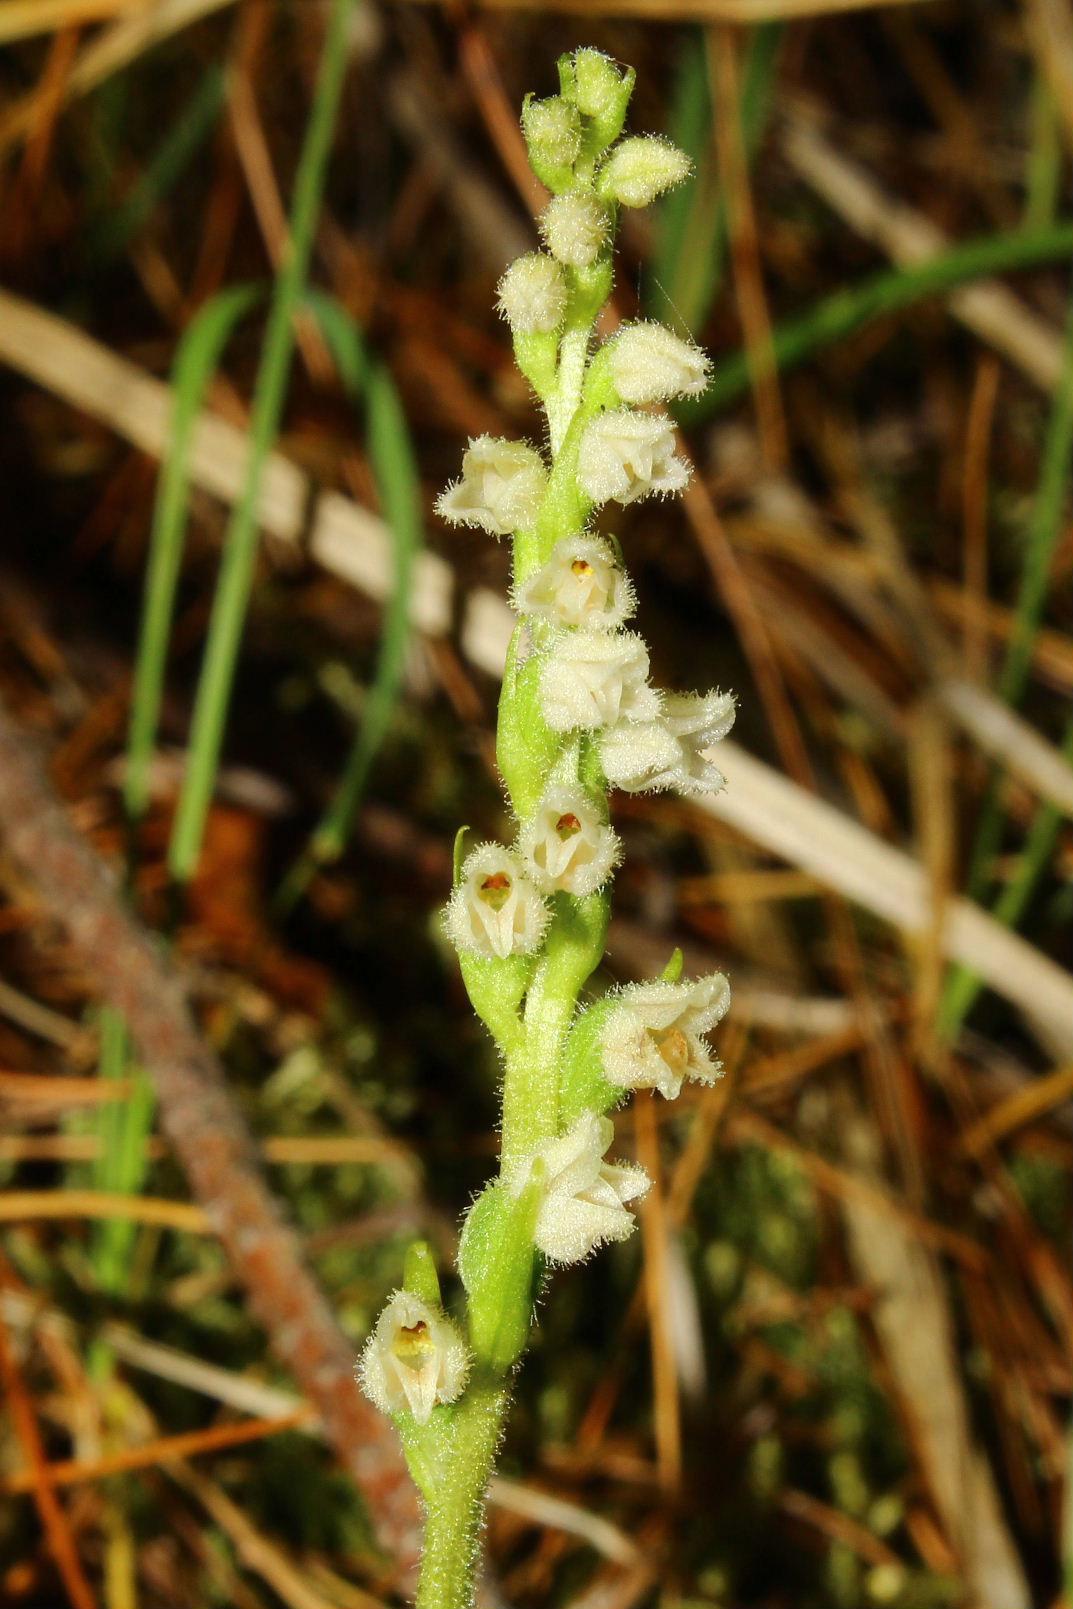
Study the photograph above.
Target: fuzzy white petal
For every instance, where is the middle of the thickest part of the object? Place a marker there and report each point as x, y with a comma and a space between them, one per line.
414, 1358
580, 585
501, 487
595, 678
651, 364
584, 1201
641, 757
652, 1038
626, 455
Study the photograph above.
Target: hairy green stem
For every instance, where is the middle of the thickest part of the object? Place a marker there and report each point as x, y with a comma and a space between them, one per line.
455, 1499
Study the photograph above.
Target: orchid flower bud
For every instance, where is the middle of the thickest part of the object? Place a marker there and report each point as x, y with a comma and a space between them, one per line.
580, 585
533, 294
595, 678
626, 455
640, 169
566, 846
495, 911
414, 1359
649, 363
501, 487
584, 1200
552, 130
598, 84
651, 1038
576, 227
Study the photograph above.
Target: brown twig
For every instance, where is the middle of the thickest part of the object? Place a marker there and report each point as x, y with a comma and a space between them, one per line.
57, 1526
203, 1123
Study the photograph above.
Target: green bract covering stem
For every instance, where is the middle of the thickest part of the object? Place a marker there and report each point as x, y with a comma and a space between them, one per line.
578, 716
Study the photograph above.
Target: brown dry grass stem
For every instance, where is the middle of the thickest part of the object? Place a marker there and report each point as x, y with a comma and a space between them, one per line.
722, 56
62, 1542
164, 1450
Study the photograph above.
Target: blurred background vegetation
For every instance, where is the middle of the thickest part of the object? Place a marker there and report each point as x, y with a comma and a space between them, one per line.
834, 1367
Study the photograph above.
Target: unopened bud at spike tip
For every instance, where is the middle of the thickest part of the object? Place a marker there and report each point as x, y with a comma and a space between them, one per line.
642, 168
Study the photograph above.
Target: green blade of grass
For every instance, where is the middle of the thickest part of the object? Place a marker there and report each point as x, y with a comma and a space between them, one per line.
841, 314
687, 266
1043, 183
1044, 531
125, 1126
395, 469
195, 363
173, 156
240, 546
121, 1166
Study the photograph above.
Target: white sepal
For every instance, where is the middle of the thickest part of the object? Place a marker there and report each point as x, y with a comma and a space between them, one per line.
669, 752
584, 1195
640, 169
576, 227
595, 678
414, 1358
652, 1038
698, 720
625, 454
641, 757
495, 911
567, 848
501, 487
580, 585
533, 294
649, 363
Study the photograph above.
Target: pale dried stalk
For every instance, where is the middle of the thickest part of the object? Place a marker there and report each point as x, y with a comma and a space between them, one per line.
987, 308
136, 30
